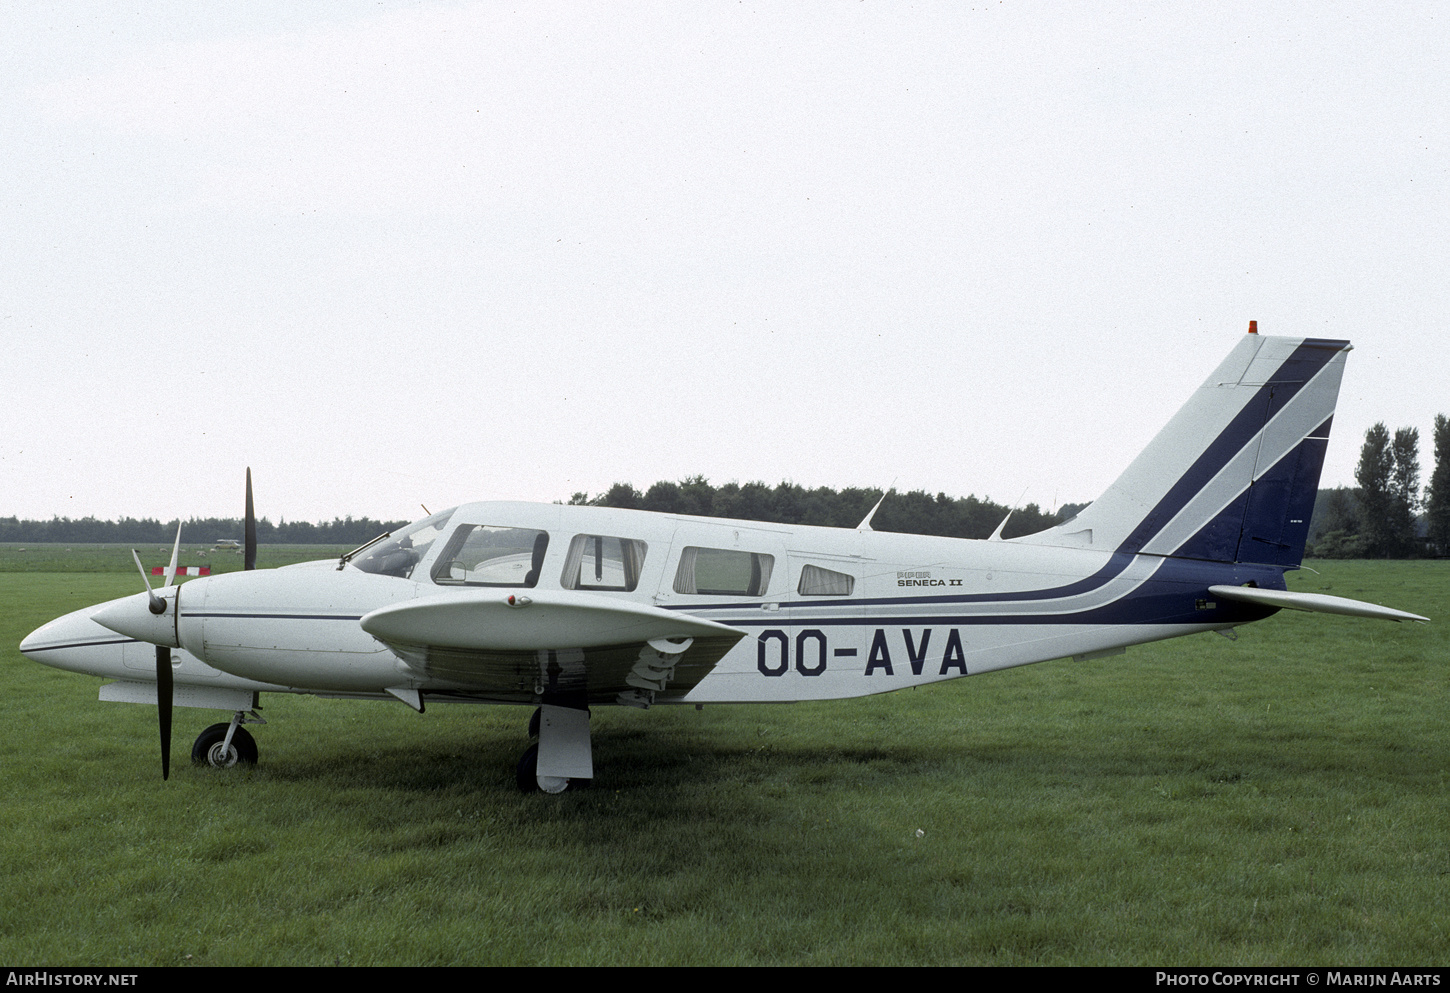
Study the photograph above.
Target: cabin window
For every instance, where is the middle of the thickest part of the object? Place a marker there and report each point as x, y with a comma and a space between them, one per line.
397, 555
600, 562
725, 572
816, 581
479, 555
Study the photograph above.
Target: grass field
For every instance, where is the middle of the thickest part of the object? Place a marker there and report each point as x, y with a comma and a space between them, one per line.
1282, 799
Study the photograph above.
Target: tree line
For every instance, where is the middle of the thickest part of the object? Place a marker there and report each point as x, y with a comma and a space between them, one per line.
1387, 515
916, 512
87, 530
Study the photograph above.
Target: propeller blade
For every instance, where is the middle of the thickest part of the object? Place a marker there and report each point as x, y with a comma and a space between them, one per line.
163, 706
175, 551
249, 560
157, 605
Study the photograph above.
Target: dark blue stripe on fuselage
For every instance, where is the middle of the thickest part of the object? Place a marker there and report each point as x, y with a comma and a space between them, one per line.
1116, 564
1169, 596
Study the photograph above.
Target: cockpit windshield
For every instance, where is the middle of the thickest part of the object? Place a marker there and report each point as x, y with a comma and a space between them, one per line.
405, 549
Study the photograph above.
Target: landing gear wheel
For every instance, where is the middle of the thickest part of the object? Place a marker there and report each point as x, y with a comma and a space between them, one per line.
529, 779
208, 748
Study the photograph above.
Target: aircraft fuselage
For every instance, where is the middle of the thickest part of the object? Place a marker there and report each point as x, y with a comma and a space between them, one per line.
892, 610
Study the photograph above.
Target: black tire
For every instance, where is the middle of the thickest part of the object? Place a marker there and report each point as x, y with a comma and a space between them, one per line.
208, 746
527, 773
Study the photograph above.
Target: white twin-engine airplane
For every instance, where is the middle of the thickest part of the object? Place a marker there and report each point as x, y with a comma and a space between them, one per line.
565, 608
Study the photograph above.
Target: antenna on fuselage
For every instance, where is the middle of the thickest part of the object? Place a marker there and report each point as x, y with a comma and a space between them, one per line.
997, 534
865, 524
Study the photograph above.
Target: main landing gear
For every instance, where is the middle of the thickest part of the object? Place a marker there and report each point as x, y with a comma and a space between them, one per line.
222, 746
563, 758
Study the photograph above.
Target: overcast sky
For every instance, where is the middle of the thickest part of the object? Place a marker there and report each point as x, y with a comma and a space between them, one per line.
392, 254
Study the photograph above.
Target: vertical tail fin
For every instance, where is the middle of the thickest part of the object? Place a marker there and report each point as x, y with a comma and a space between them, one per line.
1232, 477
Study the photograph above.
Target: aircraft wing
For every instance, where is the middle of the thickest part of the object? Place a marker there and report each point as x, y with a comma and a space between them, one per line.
1316, 602
514, 645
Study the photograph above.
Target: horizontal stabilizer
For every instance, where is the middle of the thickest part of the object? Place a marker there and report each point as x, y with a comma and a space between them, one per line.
1316, 602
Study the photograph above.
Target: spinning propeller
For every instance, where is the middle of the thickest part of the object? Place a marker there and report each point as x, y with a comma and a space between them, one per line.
157, 606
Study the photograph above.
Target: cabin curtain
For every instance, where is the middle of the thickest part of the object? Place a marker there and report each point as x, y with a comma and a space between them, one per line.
685, 575
572, 562
633, 561
760, 568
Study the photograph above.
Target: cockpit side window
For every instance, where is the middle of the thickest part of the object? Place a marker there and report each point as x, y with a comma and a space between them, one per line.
724, 572
481, 555
397, 555
601, 562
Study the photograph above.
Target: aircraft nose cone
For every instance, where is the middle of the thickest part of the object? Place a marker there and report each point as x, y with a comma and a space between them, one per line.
44, 637
31, 641
75, 643
132, 617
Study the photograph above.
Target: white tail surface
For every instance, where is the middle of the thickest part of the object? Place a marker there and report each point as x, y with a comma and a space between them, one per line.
1232, 477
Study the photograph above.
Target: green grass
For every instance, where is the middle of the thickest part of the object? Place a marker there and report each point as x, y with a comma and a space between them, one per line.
1280, 799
